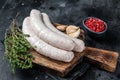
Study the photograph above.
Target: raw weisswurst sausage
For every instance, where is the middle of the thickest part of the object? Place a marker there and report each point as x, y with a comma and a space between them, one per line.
80, 46
42, 47
47, 35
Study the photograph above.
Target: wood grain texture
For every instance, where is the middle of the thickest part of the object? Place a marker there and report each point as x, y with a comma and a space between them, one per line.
103, 59
54, 66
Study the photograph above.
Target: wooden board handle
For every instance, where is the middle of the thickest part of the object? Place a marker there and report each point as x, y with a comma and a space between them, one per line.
104, 59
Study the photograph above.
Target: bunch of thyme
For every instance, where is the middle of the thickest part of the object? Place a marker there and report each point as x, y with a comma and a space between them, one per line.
17, 48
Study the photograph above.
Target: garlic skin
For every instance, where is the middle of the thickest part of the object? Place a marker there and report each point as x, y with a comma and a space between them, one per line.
61, 27
73, 31
75, 34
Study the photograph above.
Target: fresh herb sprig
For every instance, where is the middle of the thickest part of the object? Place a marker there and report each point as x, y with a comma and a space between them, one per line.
17, 48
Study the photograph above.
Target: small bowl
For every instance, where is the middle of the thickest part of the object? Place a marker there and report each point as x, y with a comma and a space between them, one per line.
91, 32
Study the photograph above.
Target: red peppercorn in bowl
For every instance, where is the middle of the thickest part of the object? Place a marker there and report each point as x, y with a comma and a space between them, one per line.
94, 27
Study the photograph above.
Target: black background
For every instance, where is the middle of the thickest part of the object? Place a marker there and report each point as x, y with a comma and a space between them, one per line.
65, 12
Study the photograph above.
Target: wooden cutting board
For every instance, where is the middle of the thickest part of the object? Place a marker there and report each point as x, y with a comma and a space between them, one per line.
57, 67
104, 59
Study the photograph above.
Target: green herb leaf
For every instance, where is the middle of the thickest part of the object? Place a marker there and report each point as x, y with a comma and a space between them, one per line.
17, 48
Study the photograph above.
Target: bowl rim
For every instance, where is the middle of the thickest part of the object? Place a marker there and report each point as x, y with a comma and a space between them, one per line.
92, 30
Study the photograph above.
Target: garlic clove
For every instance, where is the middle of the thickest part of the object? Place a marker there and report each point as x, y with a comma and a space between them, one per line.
61, 27
75, 34
71, 29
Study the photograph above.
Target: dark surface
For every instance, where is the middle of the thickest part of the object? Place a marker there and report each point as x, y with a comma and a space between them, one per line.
65, 12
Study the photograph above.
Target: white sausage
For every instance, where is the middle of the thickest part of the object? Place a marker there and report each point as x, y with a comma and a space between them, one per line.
44, 48
80, 46
47, 35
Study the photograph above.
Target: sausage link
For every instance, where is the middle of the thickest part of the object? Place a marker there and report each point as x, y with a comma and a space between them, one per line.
42, 47
80, 46
47, 35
